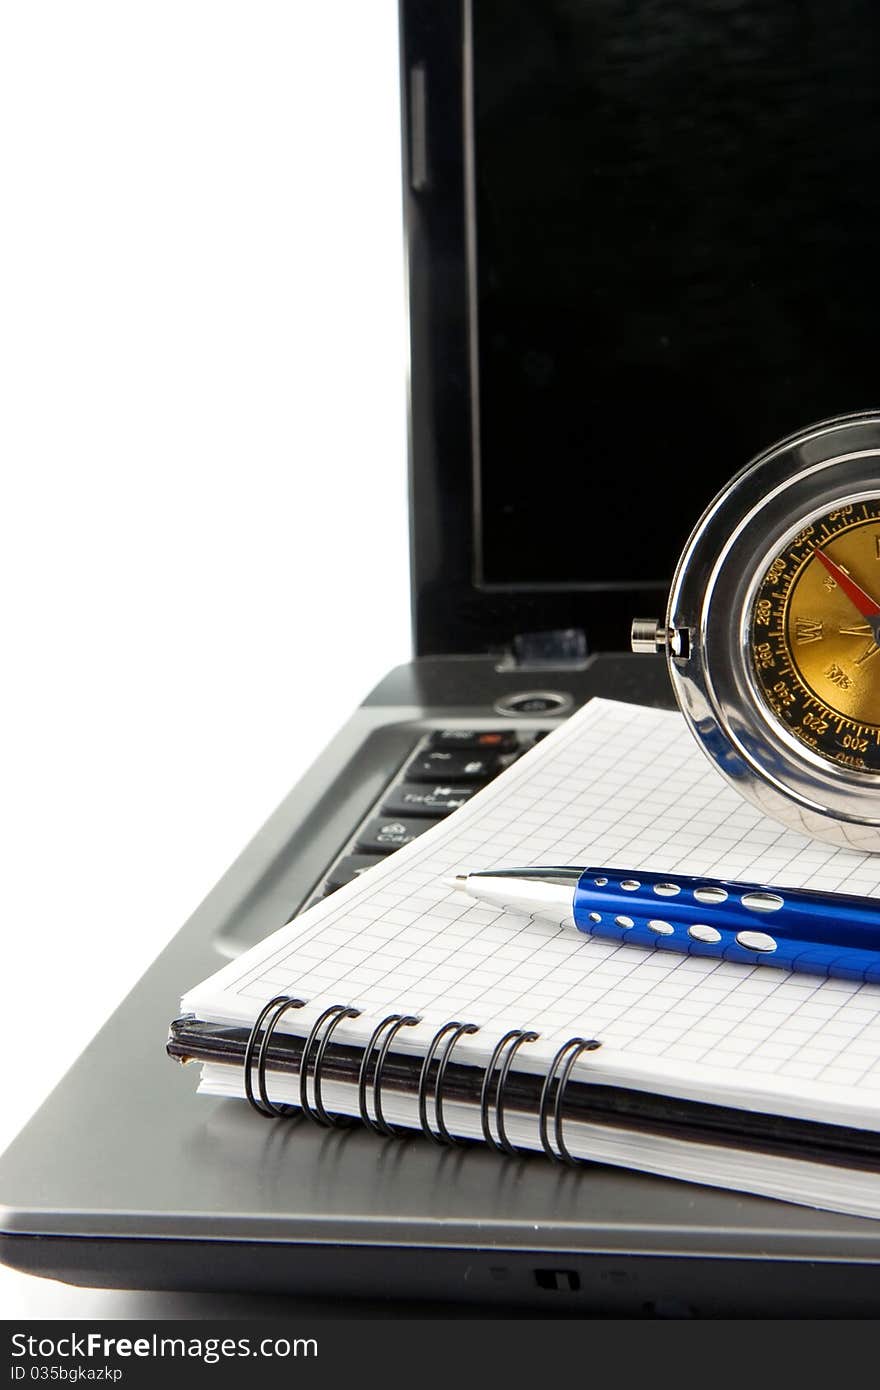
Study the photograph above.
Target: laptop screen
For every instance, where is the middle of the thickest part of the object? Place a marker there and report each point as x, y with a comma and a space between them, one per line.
676, 229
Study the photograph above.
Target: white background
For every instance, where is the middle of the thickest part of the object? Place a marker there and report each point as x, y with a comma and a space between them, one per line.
202, 444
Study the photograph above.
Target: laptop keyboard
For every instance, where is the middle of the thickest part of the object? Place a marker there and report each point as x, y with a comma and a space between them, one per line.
442, 773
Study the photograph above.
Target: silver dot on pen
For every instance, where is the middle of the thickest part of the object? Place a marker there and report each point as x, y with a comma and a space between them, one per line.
755, 941
763, 902
711, 894
701, 931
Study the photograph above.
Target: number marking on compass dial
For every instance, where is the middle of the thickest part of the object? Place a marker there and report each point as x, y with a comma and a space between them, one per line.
812, 635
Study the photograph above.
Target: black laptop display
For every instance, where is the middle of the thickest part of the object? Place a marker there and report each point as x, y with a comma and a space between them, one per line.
658, 259
640, 247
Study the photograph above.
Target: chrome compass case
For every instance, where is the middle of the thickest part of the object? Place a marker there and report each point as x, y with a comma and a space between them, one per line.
772, 631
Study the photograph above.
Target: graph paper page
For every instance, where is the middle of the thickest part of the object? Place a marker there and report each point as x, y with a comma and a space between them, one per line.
617, 785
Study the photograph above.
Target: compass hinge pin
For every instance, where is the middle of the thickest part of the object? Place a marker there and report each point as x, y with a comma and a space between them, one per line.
649, 635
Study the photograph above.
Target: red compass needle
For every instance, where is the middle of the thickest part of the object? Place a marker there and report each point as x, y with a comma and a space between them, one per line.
867, 606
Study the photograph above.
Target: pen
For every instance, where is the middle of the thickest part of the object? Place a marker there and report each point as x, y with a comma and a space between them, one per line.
796, 929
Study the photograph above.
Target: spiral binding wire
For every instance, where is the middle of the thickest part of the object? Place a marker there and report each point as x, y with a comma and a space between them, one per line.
264, 1106
336, 1013
551, 1103
512, 1042
452, 1032
566, 1057
391, 1026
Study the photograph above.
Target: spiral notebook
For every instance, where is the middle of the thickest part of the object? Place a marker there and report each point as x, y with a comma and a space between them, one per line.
417, 1008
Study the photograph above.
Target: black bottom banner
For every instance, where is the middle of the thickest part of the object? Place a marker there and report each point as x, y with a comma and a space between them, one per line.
418, 1352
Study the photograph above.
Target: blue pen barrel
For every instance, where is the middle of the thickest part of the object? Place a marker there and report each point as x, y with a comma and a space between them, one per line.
825, 934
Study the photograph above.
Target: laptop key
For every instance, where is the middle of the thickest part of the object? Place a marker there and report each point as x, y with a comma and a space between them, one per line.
411, 799
484, 740
349, 868
439, 765
381, 836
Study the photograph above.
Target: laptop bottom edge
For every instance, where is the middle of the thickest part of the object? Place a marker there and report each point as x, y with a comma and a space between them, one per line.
573, 1283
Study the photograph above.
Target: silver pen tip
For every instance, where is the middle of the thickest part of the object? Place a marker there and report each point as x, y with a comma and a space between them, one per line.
456, 880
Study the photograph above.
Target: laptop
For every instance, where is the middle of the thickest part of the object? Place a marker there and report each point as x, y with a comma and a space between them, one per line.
639, 250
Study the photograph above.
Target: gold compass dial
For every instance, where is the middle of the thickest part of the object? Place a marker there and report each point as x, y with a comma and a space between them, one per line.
813, 630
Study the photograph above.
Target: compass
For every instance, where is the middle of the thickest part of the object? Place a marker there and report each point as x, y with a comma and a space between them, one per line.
772, 631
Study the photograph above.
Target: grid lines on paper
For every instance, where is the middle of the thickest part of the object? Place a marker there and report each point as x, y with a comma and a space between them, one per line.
621, 786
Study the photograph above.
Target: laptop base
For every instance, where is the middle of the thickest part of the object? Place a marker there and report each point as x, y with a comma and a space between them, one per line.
124, 1178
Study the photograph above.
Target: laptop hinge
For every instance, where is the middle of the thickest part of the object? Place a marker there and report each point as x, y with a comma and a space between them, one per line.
536, 651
